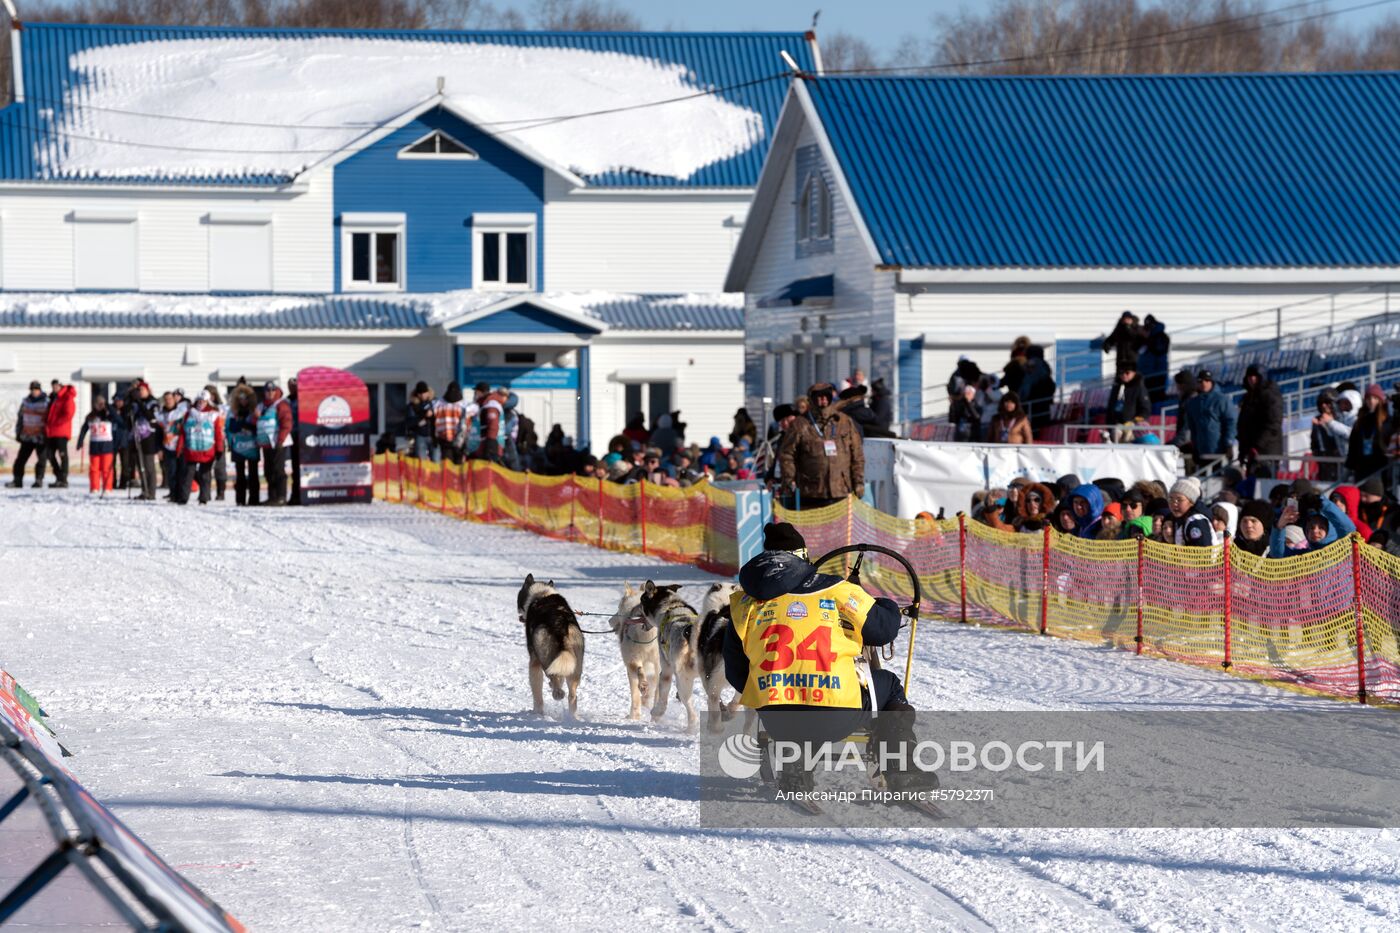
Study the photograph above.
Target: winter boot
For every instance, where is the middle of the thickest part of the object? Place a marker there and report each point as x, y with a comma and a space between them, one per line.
894, 742
796, 780
14, 484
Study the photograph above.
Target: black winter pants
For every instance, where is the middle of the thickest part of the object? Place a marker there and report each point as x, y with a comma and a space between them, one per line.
245, 481
275, 469
26, 450
56, 450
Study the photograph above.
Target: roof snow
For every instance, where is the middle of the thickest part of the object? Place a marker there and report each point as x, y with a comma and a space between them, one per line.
323, 93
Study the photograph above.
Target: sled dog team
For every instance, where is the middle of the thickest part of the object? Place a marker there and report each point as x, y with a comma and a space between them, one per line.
662, 640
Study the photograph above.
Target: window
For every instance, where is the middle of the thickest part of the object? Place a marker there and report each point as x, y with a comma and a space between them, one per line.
814, 210
240, 252
437, 145
518, 358
650, 399
505, 251
395, 407
104, 250
372, 252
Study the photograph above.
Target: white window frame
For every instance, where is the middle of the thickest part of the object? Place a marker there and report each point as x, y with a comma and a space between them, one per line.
469, 156
484, 225
351, 224
246, 219
86, 216
819, 228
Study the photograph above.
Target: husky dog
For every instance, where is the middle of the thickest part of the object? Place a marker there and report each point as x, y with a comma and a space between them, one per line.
637, 640
553, 640
691, 649
715, 618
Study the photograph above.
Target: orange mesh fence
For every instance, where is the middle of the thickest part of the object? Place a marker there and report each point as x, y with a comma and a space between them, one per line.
1326, 621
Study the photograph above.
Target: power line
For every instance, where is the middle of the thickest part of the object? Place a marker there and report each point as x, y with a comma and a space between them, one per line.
1138, 42
517, 124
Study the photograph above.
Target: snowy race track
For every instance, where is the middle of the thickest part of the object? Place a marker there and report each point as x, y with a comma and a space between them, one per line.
321, 717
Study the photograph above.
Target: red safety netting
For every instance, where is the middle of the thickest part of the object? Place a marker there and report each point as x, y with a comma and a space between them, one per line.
1327, 621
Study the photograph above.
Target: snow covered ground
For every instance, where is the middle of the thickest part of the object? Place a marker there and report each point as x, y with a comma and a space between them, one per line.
321, 717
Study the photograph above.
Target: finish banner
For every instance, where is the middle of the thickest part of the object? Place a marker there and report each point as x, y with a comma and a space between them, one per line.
333, 432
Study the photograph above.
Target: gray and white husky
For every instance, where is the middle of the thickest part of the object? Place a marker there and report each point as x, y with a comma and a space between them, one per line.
639, 642
553, 640
691, 649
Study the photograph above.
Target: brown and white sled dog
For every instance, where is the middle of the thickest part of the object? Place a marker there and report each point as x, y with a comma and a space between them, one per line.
553, 640
691, 648
638, 641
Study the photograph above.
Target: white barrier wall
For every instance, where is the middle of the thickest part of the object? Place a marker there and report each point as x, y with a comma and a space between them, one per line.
909, 477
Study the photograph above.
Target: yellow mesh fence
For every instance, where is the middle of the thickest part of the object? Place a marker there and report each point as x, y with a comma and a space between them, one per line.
1292, 621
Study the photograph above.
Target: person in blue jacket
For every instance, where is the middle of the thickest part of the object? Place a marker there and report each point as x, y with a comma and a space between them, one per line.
1086, 502
1208, 430
1321, 520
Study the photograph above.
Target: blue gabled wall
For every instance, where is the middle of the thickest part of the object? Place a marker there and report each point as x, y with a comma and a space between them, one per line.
439, 197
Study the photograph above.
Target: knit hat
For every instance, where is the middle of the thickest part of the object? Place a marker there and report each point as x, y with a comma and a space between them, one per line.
1189, 487
1373, 487
204, 396
1295, 538
1376, 390
268, 386
1114, 509
782, 536
1301, 488
1205, 375
35, 384
1259, 509
783, 411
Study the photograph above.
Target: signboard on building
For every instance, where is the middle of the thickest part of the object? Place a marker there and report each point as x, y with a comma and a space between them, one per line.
333, 436
520, 377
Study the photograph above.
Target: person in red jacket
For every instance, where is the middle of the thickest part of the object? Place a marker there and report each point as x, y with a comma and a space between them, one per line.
201, 441
58, 428
492, 409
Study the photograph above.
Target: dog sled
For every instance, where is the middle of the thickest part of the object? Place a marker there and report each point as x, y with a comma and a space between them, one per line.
893, 574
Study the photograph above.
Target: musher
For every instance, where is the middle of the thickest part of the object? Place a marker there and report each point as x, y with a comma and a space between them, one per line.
795, 654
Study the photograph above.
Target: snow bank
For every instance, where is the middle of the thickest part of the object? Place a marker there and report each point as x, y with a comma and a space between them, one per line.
304, 85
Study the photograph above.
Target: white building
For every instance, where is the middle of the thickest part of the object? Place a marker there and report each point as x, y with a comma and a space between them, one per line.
551, 211
901, 222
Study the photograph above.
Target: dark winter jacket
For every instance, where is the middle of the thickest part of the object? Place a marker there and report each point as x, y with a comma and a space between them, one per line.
777, 573
966, 418
804, 460
1128, 401
420, 417
1195, 529
1127, 338
90, 424
1210, 423
1366, 448
1152, 359
146, 424
1261, 417
1037, 391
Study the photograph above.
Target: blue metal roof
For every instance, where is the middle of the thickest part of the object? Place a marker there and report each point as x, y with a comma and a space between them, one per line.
184, 312
30, 134
668, 312
1135, 171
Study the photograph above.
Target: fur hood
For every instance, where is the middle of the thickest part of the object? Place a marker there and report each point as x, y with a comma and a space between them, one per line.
1047, 502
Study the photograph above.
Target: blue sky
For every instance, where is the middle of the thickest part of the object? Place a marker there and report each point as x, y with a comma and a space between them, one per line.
882, 23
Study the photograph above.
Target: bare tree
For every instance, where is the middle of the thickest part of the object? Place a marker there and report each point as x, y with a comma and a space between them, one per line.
584, 16
1128, 37
842, 51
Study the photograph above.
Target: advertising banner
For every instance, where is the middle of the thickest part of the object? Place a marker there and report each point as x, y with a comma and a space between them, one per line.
22, 714
333, 436
923, 476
